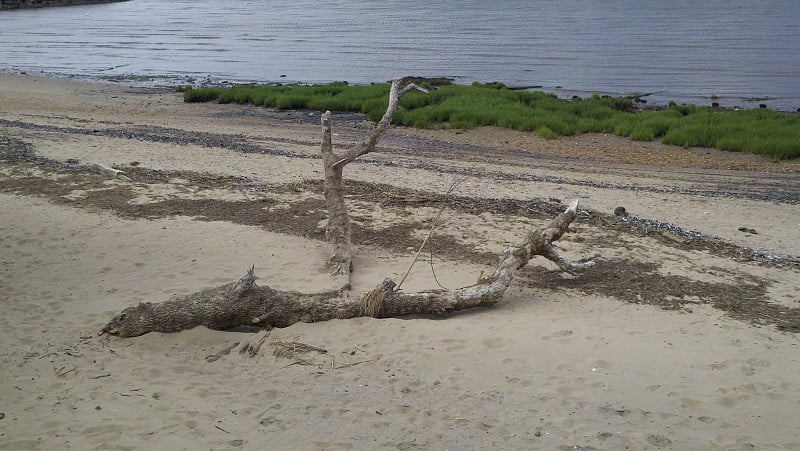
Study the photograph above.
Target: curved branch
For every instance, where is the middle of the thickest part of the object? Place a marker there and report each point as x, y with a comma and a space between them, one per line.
368, 145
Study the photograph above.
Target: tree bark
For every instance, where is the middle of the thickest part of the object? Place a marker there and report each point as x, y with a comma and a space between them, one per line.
338, 230
245, 303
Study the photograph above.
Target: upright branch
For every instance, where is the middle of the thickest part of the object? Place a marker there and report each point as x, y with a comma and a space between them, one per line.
245, 303
338, 232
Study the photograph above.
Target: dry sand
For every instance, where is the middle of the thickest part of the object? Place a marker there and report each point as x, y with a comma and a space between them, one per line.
670, 342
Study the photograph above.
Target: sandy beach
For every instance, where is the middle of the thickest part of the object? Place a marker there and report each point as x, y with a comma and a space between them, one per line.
683, 336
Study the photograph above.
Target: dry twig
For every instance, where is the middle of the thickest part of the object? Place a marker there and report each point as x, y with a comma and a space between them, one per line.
450, 190
217, 356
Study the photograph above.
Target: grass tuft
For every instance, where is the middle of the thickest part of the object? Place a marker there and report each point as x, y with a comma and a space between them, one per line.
545, 132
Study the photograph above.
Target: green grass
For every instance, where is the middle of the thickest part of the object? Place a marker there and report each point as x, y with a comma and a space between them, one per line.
545, 132
760, 131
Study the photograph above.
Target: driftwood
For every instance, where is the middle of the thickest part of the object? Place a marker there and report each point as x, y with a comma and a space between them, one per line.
338, 230
245, 303
111, 172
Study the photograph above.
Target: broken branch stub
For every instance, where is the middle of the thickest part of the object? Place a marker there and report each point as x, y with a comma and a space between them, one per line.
246, 303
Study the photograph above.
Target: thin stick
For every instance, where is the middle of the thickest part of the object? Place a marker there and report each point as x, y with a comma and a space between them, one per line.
311, 347
217, 356
299, 362
352, 364
433, 270
254, 349
62, 373
453, 186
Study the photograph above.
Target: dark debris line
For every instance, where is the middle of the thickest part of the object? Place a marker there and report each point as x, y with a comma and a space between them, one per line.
638, 282
788, 194
631, 281
12, 149
166, 135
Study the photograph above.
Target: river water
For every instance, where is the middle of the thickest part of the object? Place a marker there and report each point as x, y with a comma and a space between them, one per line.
728, 51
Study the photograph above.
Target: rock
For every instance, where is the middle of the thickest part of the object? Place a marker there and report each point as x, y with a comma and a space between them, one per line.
620, 211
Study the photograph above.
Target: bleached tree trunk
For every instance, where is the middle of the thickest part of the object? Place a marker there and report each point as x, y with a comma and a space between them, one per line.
245, 303
338, 230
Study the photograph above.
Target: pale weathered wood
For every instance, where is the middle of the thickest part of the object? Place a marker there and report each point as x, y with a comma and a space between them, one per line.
103, 169
368, 145
245, 303
338, 230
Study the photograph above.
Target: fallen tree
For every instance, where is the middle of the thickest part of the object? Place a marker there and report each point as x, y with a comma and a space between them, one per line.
246, 303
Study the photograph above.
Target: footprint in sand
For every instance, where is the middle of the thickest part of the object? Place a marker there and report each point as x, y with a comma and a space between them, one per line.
493, 343
99, 435
456, 344
105, 270
689, 403
517, 381
748, 370
570, 392
565, 367
601, 365
758, 362
658, 440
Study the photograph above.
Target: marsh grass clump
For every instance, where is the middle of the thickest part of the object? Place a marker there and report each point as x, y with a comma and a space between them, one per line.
758, 131
545, 132
447, 105
200, 94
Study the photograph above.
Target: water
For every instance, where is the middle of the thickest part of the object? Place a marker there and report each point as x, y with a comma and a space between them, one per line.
728, 51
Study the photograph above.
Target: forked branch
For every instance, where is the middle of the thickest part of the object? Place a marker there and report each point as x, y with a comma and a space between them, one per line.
338, 230
368, 145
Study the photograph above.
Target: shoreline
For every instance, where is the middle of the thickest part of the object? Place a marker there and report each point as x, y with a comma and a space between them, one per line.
665, 343
653, 100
